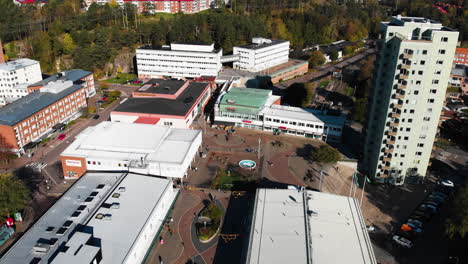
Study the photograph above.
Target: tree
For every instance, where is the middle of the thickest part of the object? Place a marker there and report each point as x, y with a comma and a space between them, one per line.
326, 154
359, 111
5, 154
457, 223
15, 195
295, 94
310, 89
333, 55
68, 44
316, 59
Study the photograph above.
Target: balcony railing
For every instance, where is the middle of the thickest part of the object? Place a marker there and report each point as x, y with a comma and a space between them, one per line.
405, 66
398, 96
394, 124
402, 86
397, 105
387, 159
389, 150
407, 55
392, 133
403, 76
395, 115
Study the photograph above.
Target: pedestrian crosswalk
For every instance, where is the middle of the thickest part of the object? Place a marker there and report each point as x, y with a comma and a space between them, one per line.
36, 166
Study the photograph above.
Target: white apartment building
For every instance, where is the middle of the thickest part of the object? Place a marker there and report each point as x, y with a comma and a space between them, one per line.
413, 70
14, 78
178, 61
261, 54
104, 218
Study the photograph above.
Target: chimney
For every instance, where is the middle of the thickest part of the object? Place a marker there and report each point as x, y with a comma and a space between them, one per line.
2, 56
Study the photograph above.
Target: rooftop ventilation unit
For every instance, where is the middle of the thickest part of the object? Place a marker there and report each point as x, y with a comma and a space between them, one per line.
99, 216
41, 248
116, 195
115, 206
122, 189
100, 186
107, 217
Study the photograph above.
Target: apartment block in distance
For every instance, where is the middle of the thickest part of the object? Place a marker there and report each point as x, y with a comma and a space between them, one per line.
158, 6
178, 61
15, 76
261, 54
77, 76
268, 58
413, 71
33, 117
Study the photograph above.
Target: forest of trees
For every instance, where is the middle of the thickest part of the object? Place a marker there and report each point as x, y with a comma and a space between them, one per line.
62, 35
61, 29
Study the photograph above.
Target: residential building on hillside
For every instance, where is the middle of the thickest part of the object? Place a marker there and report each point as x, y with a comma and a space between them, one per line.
33, 117
14, 76
303, 227
77, 76
172, 103
459, 78
138, 148
164, 6
103, 218
411, 80
261, 54
461, 57
178, 61
259, 109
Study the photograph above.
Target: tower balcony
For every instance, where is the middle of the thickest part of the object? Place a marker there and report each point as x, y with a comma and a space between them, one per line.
403, 76
407, 55
405, 66
402, 86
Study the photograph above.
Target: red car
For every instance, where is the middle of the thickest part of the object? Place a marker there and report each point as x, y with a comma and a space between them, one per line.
104, 99
61, 136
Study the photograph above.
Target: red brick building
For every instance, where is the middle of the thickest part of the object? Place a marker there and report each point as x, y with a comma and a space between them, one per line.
461, 56
33, 117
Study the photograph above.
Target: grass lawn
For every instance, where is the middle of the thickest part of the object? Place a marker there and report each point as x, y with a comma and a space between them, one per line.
122, 78
232, 181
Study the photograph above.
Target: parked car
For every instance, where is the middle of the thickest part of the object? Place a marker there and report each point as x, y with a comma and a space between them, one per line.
428, 208
401, 239
61, 136
414, 227
440, 194
104, 99
436, 198
415, 222
421, 216
446, 183
95, 117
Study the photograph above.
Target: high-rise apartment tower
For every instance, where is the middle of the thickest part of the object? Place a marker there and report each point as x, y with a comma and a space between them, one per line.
412, 72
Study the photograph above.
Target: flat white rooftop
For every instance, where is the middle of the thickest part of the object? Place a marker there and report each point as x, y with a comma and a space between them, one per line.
139, 196
292, 226
131, 141
17, 64
72, 206
290, 112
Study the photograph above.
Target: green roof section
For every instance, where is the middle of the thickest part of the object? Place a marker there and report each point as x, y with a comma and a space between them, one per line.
244, 100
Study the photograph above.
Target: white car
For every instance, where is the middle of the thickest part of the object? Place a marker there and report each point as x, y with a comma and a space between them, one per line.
402, 241
446, 183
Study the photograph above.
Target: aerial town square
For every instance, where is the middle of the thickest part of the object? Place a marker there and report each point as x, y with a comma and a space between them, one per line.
233, 131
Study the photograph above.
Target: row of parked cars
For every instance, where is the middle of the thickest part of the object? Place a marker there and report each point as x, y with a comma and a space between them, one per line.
411, 229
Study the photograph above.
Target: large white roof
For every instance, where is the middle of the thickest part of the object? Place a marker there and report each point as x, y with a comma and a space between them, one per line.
290, 112
142, 194
17, 64
292, 226
130, 141
65, 209
116, 236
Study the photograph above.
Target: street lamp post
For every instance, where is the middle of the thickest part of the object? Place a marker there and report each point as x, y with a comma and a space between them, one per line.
258, 153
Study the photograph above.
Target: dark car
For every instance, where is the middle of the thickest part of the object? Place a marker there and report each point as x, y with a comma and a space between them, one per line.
95, 117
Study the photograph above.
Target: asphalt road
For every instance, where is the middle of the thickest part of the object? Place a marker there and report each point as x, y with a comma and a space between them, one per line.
326, 69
